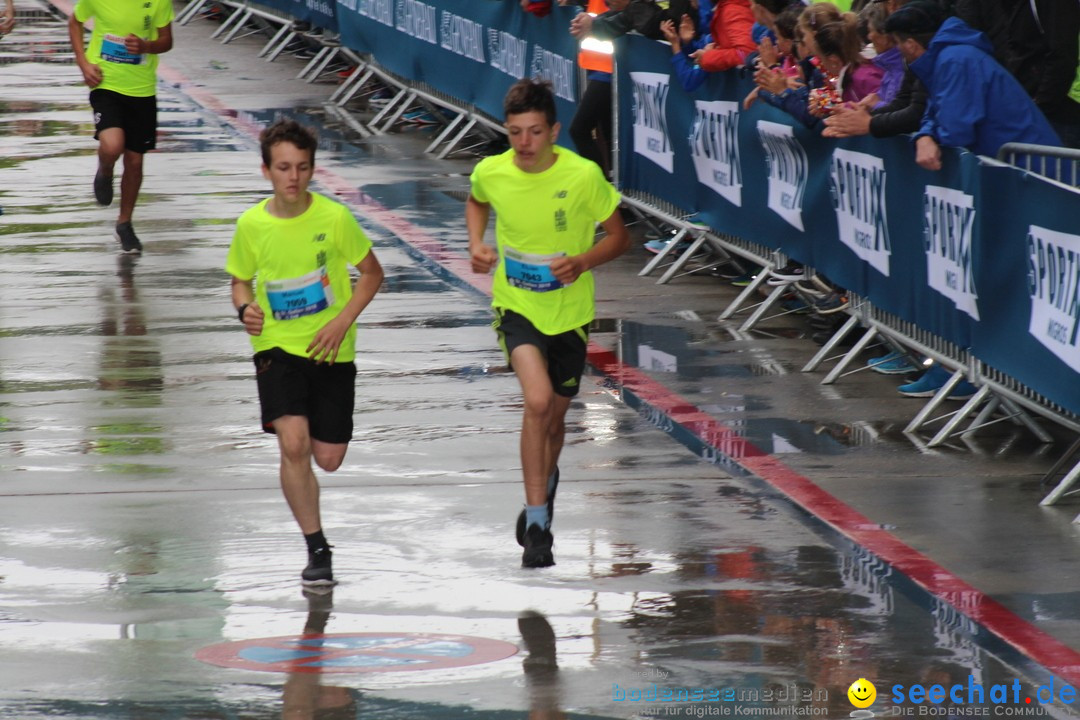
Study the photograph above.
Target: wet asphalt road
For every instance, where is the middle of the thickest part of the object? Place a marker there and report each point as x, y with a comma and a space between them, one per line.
140, 521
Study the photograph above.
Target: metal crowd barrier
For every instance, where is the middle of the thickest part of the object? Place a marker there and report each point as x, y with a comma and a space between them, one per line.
1060, 165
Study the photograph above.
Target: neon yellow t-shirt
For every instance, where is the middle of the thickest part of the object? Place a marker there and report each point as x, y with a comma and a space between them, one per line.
301, 270
539, 216
843, 5
114, 20
1074, 92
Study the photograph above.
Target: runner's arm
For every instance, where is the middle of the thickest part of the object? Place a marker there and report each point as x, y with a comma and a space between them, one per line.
91, 73
8, 23
324, 346
482, 255
612, 245
141, 46
243, 294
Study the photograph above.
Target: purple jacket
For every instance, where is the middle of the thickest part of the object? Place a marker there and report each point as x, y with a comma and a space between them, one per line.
892, 62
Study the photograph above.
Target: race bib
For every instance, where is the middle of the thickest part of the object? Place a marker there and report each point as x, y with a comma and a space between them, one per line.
113, 50
530, 272
297, 297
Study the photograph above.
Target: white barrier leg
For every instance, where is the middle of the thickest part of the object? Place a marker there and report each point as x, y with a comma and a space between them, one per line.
735, 305
659, 257
853, 353
682, 260
445, 133
829, 346
449, 148
229, 21
274, 40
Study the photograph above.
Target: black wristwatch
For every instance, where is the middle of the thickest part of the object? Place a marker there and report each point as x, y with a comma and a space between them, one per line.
240, 311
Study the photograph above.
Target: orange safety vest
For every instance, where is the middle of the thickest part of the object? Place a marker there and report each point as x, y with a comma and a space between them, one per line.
596, 54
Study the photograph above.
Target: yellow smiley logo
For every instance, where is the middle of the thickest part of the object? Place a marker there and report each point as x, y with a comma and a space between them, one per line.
862, 693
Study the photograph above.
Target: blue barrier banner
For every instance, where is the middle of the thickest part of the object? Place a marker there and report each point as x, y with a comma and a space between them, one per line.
859, 211
320, 13
1029, 266
472, 50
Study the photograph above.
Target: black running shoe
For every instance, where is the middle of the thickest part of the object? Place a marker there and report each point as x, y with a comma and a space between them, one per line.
129, 241
103, 189
537, 548
318, 570
519, 531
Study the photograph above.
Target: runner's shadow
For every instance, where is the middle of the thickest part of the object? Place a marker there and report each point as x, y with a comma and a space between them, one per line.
541, 667
304, 697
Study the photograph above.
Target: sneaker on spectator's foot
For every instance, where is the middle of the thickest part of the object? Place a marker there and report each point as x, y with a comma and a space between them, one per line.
664, 232
932, 381
103, 189
743, 280
895, 363
319, 569
657, 246
792, 272
519, 531
419, 117
537, 552
832, 303
795, 305
129, 241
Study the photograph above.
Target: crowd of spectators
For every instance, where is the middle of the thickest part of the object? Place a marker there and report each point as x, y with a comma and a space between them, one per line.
962, 73
973, 74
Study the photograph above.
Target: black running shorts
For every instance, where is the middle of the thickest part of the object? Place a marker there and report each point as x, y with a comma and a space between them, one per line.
136, 116
323, 393
564, 353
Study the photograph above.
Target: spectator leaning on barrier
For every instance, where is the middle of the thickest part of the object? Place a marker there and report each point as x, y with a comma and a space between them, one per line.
973, 101
901, 116
854, 77
689, 75
732, 37
793, 97
779, 60
680, 32
1038, 41
887, 55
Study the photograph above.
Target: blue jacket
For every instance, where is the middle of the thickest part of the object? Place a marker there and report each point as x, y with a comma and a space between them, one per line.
974, 102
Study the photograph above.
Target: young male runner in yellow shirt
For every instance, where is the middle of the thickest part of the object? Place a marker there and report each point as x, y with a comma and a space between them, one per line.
296, 248
547, 201
120, 68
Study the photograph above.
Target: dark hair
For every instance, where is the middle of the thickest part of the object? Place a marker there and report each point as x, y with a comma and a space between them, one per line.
873, 17
287, 131
918, 20
840, 39
776, 6
787, 21
815, 16
530, 95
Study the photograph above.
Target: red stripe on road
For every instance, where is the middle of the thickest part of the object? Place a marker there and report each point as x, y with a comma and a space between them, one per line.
1055, 656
